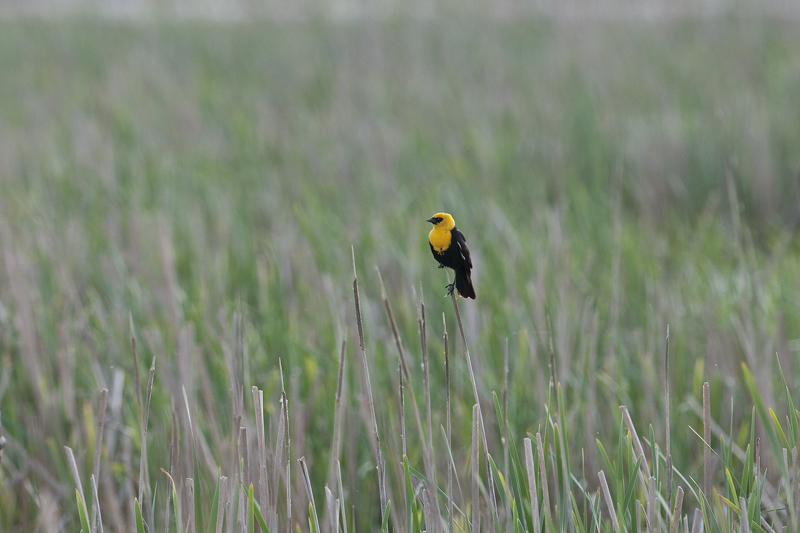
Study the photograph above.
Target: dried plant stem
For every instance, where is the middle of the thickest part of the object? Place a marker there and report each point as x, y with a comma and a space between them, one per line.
697, 520
489, 476
651, 504
543, 481
222, 502
73, 466
532, 483
744, 520
427, 384
258, 410
666, 408
337, 419
676, 513
429, 468
476, 510
309, 493
96, 505
449, 429
707, 439
637, 444
402, 417
378, 453
190, 505
277, 466
609, 503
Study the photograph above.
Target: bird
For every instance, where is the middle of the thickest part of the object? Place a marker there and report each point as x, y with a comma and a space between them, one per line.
449, 247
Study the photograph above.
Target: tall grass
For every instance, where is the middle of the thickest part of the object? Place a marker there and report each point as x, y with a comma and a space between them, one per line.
199, 195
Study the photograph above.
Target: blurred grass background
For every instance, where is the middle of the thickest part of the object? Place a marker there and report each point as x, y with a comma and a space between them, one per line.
624, 174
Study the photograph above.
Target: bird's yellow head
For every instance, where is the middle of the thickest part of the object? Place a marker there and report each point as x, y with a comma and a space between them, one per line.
442, 221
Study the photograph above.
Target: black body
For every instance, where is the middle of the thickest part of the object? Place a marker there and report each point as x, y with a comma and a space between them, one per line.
456, 256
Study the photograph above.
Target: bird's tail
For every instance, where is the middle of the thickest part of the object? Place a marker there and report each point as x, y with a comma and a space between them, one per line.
464, 284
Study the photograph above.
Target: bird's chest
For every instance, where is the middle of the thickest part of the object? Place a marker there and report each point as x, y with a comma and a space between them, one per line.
440, 240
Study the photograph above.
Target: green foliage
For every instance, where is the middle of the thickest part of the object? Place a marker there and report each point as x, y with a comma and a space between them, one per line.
205, 182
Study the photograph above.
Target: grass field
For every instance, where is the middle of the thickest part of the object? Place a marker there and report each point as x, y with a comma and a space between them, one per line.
206, 189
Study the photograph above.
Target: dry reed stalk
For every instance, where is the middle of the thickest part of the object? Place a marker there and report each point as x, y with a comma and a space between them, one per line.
609, 503
173, 450
429, 468
476, 511
244, 477
449, 428
651, 504
222, 503
138, 383
543, 482
765, 525
489, 476
189, 505
309, 493
421, 323
744, 521
669, 449
707, 441
697, 521
98, 445
504, 422
333, 510
368, 386
638, 516
337, 418
96, 505
637, 444
794, 484
402, 415
277, 466
675, 519
73, 466
532, 483
258, 411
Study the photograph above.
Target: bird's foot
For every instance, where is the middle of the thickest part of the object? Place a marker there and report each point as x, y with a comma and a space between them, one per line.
441, 265
450, 288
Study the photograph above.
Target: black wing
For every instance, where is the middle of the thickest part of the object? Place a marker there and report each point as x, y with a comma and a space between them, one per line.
463, 249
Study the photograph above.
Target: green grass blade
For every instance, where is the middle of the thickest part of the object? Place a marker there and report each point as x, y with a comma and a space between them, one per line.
794, 436
82, 513
409, 489
251, 512
175, 504
779, 429
385, 524
212, 521
626, 500
138, 516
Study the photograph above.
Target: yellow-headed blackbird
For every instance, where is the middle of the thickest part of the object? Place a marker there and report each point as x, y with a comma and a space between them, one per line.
449, 247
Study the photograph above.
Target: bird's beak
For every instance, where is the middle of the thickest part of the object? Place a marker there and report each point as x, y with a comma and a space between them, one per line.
432, 220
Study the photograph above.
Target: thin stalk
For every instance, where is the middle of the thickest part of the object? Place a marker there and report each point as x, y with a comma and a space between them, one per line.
537, 528
489, 476
98, 445
378, 453
669, 452
449, 429
707, 439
